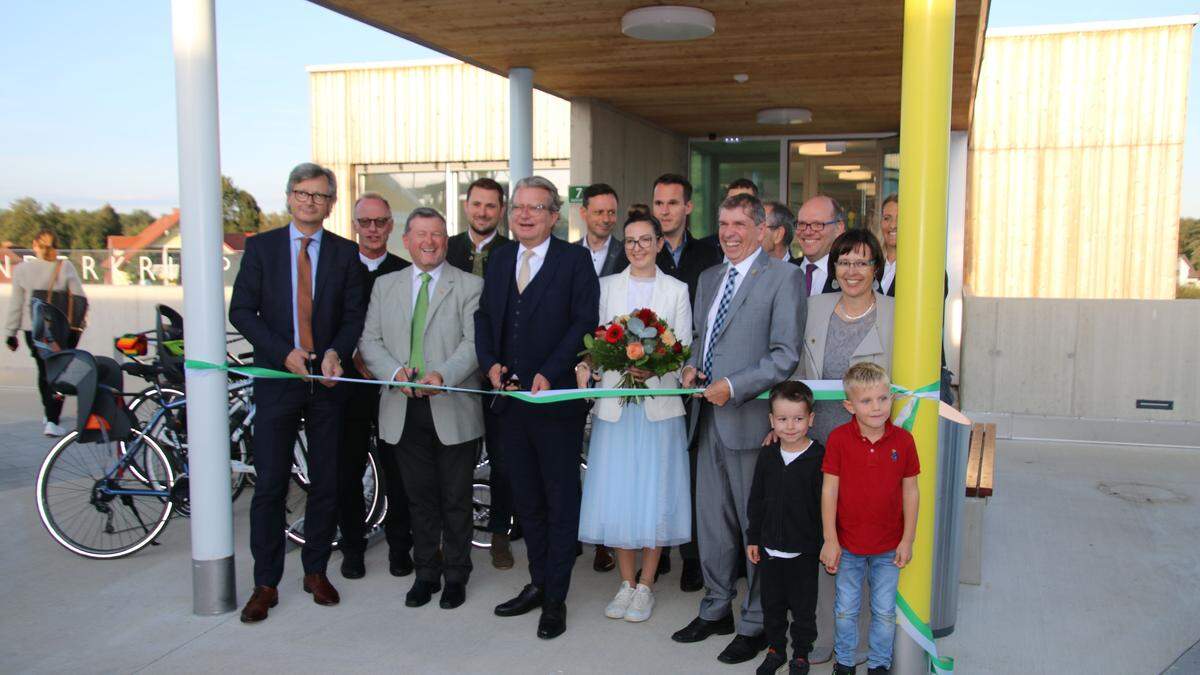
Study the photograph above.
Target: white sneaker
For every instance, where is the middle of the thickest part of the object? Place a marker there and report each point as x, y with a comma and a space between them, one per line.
620, 602
642, 604
52, 429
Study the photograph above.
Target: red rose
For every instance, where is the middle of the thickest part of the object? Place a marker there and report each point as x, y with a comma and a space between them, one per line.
660, 328
599, 332
677, 348
614, 334
646, 315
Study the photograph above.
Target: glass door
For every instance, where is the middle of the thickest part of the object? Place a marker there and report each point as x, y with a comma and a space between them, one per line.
716, 164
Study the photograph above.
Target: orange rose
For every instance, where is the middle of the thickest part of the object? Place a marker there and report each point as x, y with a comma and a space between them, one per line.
635, 351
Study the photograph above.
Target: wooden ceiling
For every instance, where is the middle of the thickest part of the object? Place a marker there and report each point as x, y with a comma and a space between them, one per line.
839, 58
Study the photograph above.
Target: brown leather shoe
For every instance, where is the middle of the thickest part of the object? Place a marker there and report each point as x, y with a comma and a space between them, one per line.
603, 561
322, 591
502, 558
262, 599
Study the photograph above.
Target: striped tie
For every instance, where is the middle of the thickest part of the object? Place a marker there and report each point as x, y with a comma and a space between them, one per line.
719, 321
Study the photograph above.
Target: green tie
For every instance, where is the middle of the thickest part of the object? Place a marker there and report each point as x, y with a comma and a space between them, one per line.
416, 351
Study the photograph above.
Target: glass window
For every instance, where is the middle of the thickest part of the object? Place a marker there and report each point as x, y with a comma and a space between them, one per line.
716, 164
405, 191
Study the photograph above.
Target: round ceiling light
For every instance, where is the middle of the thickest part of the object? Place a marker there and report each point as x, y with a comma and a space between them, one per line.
821, 149
784, 116
668, 23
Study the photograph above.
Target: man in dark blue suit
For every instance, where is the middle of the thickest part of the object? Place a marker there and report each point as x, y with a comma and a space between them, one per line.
298, 299
540, 297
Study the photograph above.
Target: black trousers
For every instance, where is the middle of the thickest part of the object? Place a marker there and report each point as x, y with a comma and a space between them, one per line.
52, 404
789, 584
280, 406
501, 518
542, 449
361, 412
438, 480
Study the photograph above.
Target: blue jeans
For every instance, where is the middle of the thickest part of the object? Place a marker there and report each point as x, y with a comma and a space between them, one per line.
883, 575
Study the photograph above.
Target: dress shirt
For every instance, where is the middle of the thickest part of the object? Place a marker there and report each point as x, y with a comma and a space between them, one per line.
677, 253
372, 263
535, 263
743, 269
820, 275
889, 275
598, 257
314, 252
480, 245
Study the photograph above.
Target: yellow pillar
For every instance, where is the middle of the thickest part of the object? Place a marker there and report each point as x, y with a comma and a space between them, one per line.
924, 163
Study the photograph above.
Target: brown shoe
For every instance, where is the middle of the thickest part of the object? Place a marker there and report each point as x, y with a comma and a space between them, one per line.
261, 600
322, 591
502, 558
603, 561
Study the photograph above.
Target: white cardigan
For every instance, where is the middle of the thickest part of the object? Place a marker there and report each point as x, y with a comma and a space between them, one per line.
670, 302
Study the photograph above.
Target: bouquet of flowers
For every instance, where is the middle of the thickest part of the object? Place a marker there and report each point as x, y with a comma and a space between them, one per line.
640, 339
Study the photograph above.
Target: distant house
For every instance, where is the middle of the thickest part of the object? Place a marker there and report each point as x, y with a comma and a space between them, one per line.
164, 233
1188, 275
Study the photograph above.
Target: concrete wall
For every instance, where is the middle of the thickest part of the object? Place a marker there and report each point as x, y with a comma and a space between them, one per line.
628, 153
1081, 358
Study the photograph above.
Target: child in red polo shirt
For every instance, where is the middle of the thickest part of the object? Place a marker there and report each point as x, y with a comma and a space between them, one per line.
869, 513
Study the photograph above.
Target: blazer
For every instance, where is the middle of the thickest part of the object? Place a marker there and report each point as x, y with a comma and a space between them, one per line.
449, 349
261, 305
460, 252
758, 346
876, 347
670, 301
565, 298
616, 253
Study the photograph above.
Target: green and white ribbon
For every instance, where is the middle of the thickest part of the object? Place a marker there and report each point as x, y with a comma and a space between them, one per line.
922, 634
907, 415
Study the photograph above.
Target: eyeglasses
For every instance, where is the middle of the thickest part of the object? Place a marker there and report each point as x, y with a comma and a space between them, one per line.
855, 264
815, 226
318, 198
377, 223
536, 209
641, 242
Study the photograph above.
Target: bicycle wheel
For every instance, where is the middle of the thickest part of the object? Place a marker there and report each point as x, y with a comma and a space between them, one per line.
94, 504
481, 513
297, 497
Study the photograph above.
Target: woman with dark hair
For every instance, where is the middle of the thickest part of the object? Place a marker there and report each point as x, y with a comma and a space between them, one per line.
45, 273
847, 327
635, 494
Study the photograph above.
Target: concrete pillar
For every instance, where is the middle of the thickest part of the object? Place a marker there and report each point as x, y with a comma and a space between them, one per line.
520, 124
193, 34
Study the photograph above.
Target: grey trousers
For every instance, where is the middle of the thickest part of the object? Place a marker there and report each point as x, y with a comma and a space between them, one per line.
723, 478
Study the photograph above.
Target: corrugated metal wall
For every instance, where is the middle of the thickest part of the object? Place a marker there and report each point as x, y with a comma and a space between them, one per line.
1075, 164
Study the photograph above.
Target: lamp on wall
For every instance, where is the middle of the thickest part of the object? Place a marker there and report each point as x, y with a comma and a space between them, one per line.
783, 116
668, 23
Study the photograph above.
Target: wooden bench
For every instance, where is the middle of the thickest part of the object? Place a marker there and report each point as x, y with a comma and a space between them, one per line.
981, 462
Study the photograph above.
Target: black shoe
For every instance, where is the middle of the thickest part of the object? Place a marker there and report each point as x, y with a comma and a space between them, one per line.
839, 669
454, 595
400, 563
554, 620
664, 564
773, 662
699, 629
353, 566
421, 593
798, 666
743, 648
529, 599
691, 579
878, 670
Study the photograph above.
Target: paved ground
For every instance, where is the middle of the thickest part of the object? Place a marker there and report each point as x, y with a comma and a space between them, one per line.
1090, 566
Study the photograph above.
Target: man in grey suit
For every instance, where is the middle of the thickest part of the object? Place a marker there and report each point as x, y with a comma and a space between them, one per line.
749, 322
599, 212
420, 327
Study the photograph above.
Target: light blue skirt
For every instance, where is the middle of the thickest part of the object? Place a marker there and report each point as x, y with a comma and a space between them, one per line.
635, 491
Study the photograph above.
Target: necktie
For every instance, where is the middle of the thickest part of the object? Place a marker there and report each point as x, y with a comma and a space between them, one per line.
808, 275
524, 273
477, 262
416, 349
719, 321
304, 299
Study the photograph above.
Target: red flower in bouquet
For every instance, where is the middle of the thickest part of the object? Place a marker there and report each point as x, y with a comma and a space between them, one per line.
646, 315
677, 348
614, 333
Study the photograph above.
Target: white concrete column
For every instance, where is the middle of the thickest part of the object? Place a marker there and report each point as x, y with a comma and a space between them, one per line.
193, 33
520, 124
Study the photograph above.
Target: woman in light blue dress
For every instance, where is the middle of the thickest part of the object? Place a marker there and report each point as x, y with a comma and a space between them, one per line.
635, 493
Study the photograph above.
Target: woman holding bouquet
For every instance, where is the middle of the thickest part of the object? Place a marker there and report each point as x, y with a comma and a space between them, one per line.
635, 493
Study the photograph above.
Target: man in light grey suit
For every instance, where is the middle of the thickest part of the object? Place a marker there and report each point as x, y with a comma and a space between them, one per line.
749, 321
420, 327
599, 212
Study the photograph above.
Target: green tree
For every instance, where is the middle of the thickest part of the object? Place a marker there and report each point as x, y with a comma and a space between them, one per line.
89, 229
24, 218
239, 208
270, 221
134, 222
1189, 239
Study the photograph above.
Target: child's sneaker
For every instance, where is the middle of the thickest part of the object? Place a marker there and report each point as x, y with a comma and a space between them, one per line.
620, 603
839, 669
798, 666
641, 605
771, 662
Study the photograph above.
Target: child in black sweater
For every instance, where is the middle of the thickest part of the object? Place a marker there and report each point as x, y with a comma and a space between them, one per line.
784, 537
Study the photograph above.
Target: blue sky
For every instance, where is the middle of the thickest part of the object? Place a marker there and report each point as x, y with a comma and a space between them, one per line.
87, 98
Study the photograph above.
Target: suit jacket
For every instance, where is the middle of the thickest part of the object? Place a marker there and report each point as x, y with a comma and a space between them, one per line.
616, 253
448, 348
758, 346
460, 252
876, 347
831, 284
564, 297
391, 263
696, 257
670, 302
261, 305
